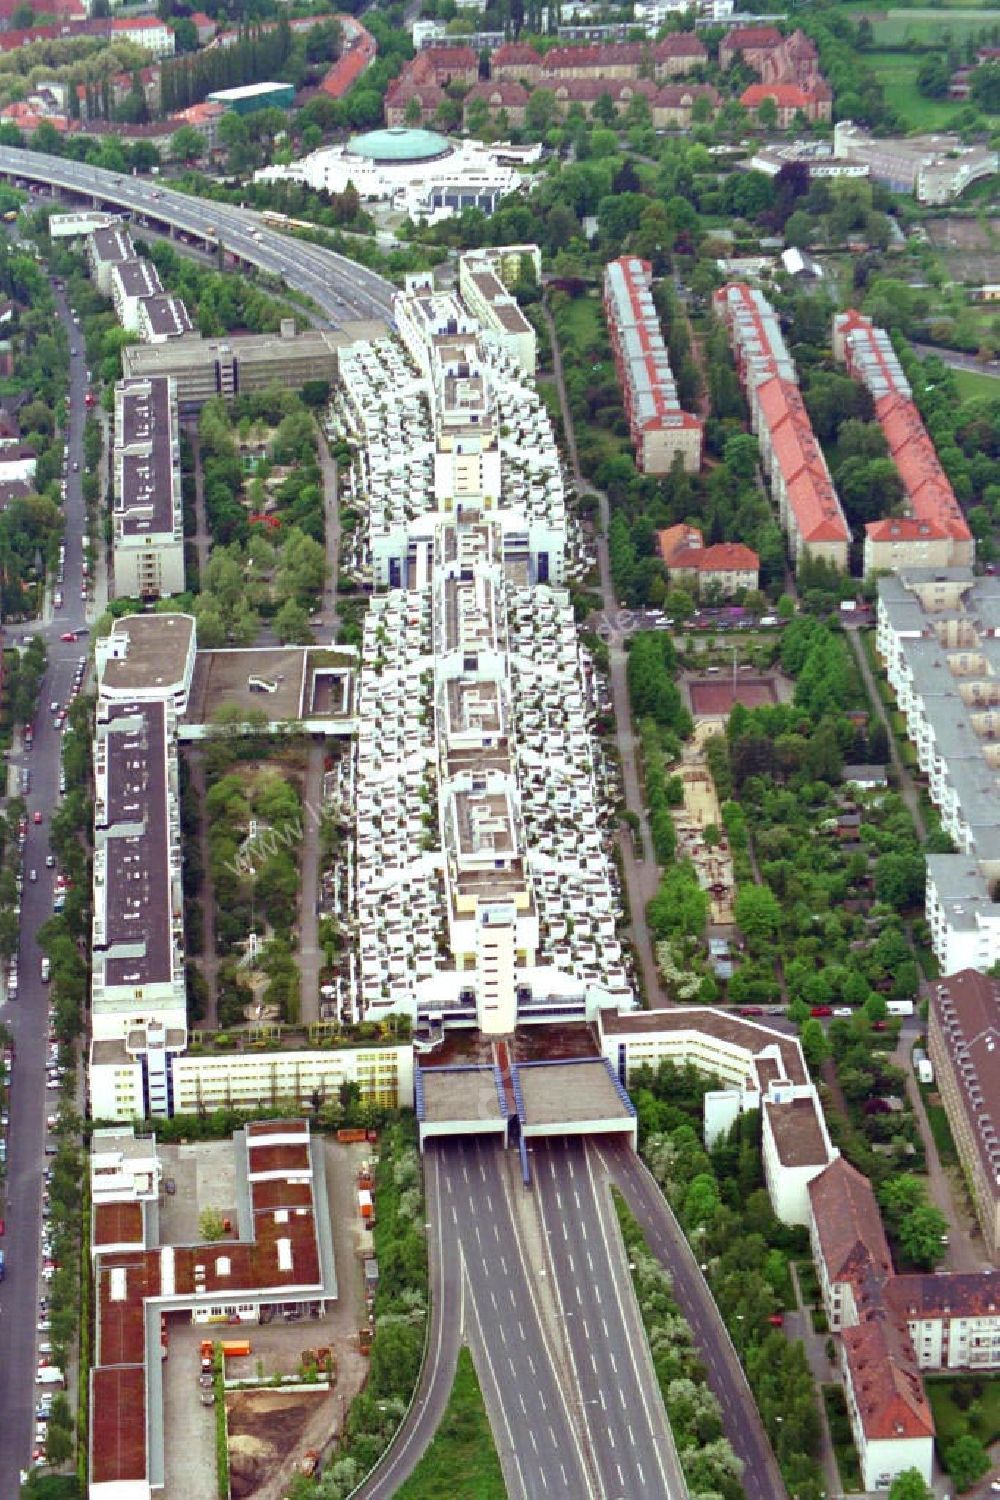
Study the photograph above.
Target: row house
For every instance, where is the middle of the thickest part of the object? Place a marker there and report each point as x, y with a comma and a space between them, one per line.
934, 533
674, 56
792, 459
812, 100
661, 430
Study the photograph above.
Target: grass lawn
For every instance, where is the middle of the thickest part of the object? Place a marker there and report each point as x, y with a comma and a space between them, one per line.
940, 1129
462, 1460
970, 384
840, 1435
925, 25
977, 1409
897, 73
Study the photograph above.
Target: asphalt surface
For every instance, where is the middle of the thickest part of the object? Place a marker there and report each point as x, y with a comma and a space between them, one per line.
627, 1427
340, 288
761, 1479
27, 1016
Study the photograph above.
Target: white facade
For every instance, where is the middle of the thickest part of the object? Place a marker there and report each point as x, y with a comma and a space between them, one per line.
939, 635
131, 282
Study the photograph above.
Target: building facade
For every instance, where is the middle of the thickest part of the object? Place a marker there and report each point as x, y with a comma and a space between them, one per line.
147, 507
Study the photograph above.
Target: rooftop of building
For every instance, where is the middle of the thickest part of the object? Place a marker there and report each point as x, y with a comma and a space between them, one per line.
848, 1221
570, 1093
889, 1392
155, 651
136, 278
750, 1037
469, 1092
965, 1011
799, 1135
166, 315
400, 144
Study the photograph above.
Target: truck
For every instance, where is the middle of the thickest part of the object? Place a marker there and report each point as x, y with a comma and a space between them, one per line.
899, 1007
3, 1265
235, 1348
207, 1355
365, 1204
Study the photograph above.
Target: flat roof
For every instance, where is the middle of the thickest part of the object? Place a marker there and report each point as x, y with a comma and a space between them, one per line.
459, 1093
798, 1133
167, 315
157, 654
137, 278
572, 1092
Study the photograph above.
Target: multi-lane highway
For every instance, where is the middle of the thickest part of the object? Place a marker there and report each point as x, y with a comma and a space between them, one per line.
27, 1016
761, 1478
626, 1424
340, 288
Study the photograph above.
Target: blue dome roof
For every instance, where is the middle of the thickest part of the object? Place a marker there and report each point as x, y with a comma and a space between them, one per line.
399, 144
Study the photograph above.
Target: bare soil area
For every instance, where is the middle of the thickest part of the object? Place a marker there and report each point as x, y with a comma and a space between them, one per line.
268, 1433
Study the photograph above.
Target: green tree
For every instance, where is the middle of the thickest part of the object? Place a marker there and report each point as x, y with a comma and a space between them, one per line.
758, 915
210, 1224
815, 1043
966, 1460
910, 1486
187, 144
922, 1235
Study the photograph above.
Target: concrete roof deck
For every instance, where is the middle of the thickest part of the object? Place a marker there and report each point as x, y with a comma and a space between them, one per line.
468, 1093
581, 1092
221, 678
158, 647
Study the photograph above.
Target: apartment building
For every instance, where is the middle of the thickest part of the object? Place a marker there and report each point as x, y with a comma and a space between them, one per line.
108, 247
146, 658
161, 317
933, 533
801, 487
661, 430
278, 1255
132, 281
483, 889
937, 634
449, 426
484, 281
138, 939
147, 508
719, 571
203, 368
964, 1045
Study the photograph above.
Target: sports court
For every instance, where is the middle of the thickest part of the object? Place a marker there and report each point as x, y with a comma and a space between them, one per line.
714, 698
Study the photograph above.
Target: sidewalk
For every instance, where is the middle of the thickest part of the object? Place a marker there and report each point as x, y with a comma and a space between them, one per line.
798, 1326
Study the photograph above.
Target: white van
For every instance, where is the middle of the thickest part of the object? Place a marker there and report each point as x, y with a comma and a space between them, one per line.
46, 970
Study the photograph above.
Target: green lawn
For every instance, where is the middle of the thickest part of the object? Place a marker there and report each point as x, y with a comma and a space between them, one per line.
840, 1435
971, 384
976, 1409
895, 27
937, 1119
462, 1460
897, 73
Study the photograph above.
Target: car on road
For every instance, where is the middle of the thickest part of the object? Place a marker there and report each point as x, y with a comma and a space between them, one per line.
38, 816
821, 1010
57, 600
843, 1012
32, 875
68, 635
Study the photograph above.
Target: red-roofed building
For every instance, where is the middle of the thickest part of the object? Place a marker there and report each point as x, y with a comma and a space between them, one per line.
808, 506
661, 429
516, 61
673, 104
749, 44
500, 96
277, 1252
585, 93
934, 532
814, 100
357, 54
674, 55
722, 570
204, 26
886, 1401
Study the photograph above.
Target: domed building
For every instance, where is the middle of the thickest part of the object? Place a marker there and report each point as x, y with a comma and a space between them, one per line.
412, 171
398, 145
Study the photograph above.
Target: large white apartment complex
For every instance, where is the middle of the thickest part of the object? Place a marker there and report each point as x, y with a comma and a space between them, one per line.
147, 508
793, 461
482, 878
933, 532
938, 633
484, 281
447, 425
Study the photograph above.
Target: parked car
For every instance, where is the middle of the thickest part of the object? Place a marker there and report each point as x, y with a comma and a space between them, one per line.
821, 1010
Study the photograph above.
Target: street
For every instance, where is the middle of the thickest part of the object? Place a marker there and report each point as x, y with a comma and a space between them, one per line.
27, 1016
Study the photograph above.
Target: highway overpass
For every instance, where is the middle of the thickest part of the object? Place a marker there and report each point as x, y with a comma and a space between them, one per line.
341, 289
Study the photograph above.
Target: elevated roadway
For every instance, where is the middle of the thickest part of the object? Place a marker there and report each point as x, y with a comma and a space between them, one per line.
342, 290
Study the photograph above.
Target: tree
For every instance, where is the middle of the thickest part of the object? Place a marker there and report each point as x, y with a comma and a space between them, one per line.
187, 144
923, 1235
291, 624
815, 1044
210, 1224
757, 915
910, 1486
900, 878
767, 114
966, 1460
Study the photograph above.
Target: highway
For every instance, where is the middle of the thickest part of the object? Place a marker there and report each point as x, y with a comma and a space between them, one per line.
340, 288
628, 1430
741, 1422
27, 1017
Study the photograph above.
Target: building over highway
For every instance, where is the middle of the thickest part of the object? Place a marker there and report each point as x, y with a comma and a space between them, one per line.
147, 509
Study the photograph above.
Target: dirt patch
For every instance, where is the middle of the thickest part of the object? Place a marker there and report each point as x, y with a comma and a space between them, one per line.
267, 1435
970, 249
715, 699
